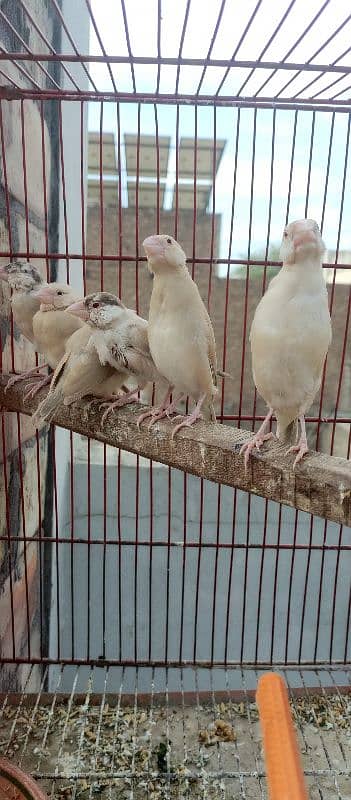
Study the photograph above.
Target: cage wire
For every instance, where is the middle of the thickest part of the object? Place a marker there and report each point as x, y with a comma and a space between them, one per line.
140, 604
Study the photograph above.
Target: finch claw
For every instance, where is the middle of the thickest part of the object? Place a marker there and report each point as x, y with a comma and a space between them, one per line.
32, 373
187, 422
105, 415
301, 449
151, 412
154, 418
255, 443
34, 388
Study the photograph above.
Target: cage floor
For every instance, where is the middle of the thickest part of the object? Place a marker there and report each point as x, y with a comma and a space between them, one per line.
171, 744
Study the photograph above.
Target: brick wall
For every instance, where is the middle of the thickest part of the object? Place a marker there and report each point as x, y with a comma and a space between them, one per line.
135, 286
115, 241
24, 489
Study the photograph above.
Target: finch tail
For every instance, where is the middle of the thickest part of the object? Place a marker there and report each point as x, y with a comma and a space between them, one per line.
47, 408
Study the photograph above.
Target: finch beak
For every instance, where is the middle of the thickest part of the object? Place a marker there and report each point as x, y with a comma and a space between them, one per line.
153, 246
304, 237
4, 276
78, 310
45, 295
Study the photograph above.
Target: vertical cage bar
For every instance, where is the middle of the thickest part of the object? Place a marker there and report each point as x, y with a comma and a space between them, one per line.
198, 573
57, 546
82, 179
332, 293
310, 164
9, 537
119, 221
335, 588
64, 193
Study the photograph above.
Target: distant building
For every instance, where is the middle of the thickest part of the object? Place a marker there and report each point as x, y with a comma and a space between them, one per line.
153, 195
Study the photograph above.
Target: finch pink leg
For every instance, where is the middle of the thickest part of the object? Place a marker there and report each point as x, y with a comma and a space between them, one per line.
34, 388
31, 372
166, 412
95, 400
154, 412
121, 401
258, 439
190, 419
301, 448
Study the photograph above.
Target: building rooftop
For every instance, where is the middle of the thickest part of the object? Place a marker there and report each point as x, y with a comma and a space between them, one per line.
153, 165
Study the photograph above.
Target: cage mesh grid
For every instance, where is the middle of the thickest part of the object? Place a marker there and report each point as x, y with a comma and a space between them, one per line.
114, 739
305, 78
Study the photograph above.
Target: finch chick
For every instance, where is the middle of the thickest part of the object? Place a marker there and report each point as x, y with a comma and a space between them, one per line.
291, 334
119, 337
78, 374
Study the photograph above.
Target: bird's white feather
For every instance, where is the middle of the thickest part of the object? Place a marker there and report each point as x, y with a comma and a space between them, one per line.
290, 336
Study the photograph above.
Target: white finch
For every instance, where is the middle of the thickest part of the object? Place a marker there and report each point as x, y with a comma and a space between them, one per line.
24, 280
52, 326
78, 374
291, 334
120, 339
181, 337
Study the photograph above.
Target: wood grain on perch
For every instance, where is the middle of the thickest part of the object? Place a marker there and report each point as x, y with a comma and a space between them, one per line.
320, 485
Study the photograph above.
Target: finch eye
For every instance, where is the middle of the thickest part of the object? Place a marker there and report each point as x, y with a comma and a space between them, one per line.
95, 305
169, 241
60, 293
285, 234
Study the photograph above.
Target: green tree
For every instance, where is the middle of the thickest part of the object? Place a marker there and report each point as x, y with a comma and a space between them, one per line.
256, 270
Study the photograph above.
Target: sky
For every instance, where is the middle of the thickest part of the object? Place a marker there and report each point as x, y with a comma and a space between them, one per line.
143, 28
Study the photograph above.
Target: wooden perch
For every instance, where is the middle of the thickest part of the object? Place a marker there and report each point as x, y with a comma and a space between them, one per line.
320, 485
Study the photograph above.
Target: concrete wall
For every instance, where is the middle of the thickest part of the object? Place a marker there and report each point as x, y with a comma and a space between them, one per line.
100, 585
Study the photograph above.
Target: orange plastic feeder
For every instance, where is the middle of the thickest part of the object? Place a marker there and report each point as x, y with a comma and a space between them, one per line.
285, 776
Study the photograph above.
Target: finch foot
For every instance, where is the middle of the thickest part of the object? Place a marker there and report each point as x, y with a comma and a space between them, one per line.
301, 448
158, 412
257, 439
255, 443
187, 422
88, 405
162, 413
155, 414
119, 403
34, 388
31, 373
190, 419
